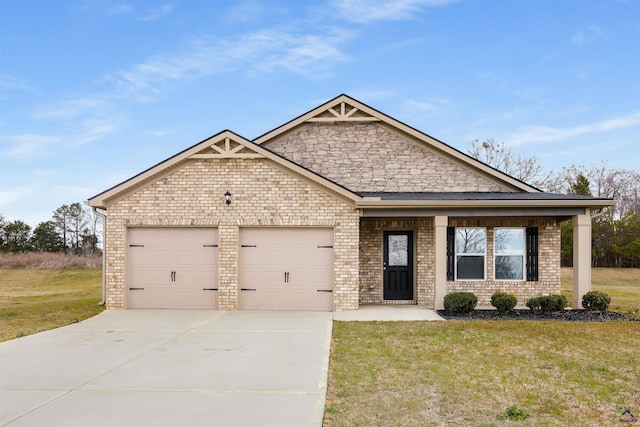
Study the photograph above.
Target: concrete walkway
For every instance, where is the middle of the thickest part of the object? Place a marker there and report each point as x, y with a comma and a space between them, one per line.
387, 313
170, 368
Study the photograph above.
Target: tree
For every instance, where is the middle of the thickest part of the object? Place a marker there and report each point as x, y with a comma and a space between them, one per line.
627, 245
61, 222
18, 235
501, 157
614, 230
70, 221
46, 238
88, 243
581, 186
3, 234
77, 223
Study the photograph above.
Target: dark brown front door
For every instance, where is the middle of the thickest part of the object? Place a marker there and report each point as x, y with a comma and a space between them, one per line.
398, 265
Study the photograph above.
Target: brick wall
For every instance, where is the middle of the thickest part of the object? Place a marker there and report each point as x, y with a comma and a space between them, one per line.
370, 157
548, 260
263, 195
371, 244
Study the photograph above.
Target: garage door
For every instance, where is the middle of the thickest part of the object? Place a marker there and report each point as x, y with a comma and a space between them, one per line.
287, 269
173, 268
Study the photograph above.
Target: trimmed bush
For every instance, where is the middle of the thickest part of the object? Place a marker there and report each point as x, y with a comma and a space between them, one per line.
503, 301
460, 302
596, 301
548, 304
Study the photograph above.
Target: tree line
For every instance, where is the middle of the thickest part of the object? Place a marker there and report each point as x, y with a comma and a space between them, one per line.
72, 229
615, 232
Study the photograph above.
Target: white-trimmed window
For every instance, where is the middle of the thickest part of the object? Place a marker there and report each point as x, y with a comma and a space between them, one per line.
470, 253
509, 253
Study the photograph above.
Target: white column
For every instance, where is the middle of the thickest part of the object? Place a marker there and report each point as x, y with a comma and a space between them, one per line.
581, 257
440, 265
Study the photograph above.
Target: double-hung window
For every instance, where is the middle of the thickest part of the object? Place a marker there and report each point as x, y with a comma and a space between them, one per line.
470, 253
509, 253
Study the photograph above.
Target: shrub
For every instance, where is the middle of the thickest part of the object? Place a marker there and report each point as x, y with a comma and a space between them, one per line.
514, 413
547, 304
503, 301
460, 302
596, 301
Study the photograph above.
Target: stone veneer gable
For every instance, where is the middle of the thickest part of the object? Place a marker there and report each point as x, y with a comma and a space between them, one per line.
368, 157
262, 195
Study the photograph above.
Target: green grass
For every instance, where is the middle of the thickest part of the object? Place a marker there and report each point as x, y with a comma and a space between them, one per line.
35, 300
621, 284
470, 373
483, 373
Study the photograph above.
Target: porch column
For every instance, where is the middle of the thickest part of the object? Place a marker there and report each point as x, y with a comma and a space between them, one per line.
440, 265
581, 257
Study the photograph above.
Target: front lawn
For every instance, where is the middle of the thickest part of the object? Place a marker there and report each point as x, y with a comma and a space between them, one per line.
468, 373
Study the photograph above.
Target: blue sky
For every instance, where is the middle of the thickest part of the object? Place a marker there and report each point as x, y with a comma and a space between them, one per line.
95, 91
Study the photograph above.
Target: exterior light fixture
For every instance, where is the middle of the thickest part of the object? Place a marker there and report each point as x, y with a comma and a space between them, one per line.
227, 198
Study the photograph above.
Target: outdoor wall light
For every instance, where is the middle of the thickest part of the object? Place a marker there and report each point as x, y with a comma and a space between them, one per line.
227, 198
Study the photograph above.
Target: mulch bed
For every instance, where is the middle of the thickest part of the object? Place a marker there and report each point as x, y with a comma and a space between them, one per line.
526, 314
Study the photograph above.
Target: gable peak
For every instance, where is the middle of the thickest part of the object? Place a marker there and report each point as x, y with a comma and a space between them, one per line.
342, 109
226, 146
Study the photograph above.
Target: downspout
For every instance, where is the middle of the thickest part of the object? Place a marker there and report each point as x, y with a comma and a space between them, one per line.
598, 214
104, 254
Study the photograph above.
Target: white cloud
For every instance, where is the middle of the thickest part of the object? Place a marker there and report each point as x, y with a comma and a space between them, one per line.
363, 11
592, 33
157, 13
91, 129
260, 51
245, 11
120, 9
27, 145
8, 197
542, 134
70, 108
427, 107
9, 82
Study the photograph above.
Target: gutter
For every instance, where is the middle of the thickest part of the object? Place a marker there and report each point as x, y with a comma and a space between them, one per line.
104, 254
370, 202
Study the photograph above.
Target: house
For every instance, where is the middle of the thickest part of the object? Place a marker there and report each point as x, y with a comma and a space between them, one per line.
340, 207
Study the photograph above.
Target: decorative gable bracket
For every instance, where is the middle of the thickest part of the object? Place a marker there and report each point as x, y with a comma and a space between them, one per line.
343, 112
226, 148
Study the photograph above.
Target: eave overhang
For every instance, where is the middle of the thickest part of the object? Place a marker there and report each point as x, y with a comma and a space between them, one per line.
378, 203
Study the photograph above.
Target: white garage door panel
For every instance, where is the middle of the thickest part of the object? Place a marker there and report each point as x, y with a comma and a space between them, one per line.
305, 254
191, 253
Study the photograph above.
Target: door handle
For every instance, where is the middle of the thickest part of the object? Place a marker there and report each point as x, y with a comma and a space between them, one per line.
286, 277
173, 276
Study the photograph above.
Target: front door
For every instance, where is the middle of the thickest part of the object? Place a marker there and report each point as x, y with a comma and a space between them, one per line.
398, 265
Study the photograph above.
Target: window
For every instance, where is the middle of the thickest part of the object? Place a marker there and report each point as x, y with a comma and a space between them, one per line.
509, 253
515, 253
470, 249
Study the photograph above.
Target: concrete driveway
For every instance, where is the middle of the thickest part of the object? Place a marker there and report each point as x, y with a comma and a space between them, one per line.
170, 368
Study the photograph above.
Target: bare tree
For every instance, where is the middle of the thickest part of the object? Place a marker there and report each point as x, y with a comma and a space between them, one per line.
501, 157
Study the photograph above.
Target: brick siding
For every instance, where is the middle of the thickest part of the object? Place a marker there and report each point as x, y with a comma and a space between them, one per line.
548, 260
371, 274
262, 195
